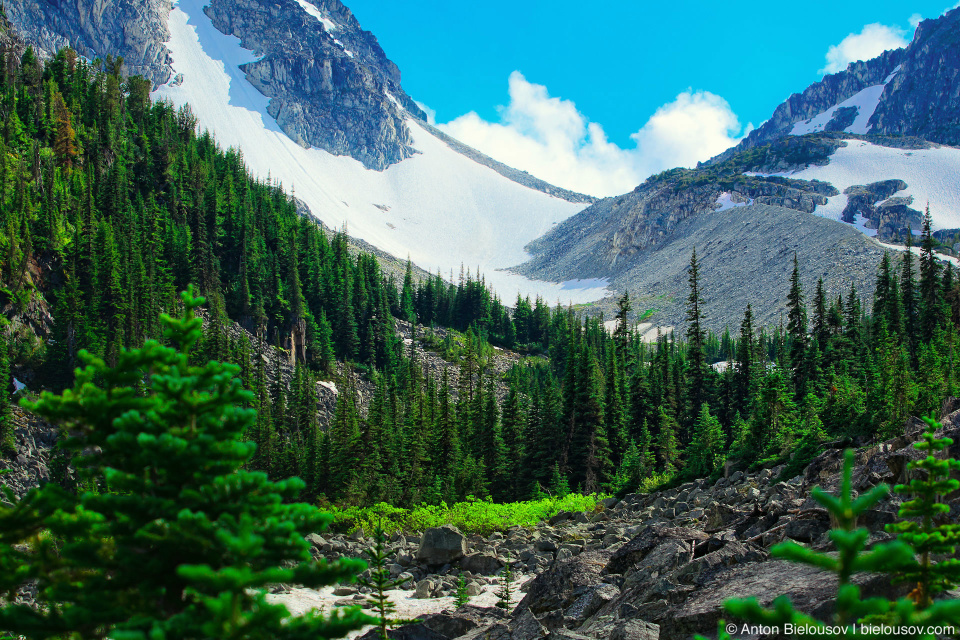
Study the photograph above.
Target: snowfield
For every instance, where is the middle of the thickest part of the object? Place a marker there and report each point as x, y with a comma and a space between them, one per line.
932, 175
865, 101
440, 208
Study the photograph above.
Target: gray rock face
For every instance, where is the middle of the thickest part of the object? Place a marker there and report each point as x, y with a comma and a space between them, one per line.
133, 29
441, 545
331, 85
745, 255
922, 99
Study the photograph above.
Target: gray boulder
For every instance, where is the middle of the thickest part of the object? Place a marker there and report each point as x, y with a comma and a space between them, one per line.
441, 545
557, 587
483, 563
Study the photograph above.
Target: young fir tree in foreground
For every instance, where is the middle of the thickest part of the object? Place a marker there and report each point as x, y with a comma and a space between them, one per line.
918, 611
381, 582
175, 540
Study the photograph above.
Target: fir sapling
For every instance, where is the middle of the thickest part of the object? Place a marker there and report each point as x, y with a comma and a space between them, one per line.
461, 597
505, 593
380, 582
920, 529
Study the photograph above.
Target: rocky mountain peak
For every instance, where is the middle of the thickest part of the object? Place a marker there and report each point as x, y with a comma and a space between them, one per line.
915, 93
330, 83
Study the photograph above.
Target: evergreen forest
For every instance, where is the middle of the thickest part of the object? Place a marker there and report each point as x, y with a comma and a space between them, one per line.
111, 203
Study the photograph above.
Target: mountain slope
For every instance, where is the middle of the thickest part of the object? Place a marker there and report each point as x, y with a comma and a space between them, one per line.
440, 207
908, 92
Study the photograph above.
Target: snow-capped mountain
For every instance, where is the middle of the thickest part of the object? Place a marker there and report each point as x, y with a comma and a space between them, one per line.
907, 92
313, 102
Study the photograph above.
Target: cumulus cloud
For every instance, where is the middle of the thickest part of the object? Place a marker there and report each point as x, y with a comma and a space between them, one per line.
915, 20
431, 113
869, 43
549, 138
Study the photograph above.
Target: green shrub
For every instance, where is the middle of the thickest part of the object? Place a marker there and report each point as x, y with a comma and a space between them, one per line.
470, 517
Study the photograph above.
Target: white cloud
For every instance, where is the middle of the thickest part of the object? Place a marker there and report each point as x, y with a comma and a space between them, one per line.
869, 43
431, 113
915, 20
551, 139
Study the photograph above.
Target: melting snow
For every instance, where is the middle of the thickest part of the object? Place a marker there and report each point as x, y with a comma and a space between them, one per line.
327, 23
445, 209
340, 44
725, 201
865, 102
930, 174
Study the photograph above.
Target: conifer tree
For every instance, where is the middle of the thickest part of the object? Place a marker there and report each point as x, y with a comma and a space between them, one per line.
379, 557
706, 448
797, 330
178, 541
696, 337
929, 280
929, 539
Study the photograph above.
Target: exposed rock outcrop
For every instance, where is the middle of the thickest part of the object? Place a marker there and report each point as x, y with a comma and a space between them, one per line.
331, 85
135, 30
661, 565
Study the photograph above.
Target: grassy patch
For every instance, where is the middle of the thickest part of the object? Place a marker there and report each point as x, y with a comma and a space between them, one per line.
475, 516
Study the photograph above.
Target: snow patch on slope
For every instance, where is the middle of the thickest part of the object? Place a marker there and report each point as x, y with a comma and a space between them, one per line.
725, 201
327, 23
444, 210
930, 174
865, 102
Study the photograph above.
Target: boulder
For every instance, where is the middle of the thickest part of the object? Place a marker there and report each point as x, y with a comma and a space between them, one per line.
634, 630
590, 600
556, 588
637, 549
811, 590
441, 545
527, 627
483, 563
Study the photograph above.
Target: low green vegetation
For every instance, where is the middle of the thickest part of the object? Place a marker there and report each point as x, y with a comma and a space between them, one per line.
475, 516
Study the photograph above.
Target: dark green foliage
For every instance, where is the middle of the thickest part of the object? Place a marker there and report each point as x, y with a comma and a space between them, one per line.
505, 592
461, 597
924, 528
7, 442
380, 582
173, 538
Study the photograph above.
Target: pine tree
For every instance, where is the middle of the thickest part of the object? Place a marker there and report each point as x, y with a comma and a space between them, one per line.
930, 540
929, 280
706, 449
181, 541
505, 592
380, 582
461, 597
797, 330
696, 337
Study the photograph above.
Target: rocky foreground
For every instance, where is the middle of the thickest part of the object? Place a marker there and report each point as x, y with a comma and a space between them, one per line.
648, 567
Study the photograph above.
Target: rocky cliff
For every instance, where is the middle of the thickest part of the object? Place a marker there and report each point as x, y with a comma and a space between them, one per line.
919, 96
132, 29
331, 85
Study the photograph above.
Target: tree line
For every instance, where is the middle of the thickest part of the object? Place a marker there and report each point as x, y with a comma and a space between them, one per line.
112, 202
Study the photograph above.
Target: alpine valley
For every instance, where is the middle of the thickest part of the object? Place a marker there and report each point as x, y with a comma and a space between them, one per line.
621, 406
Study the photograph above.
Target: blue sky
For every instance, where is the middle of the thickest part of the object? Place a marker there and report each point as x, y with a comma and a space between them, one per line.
595, 96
